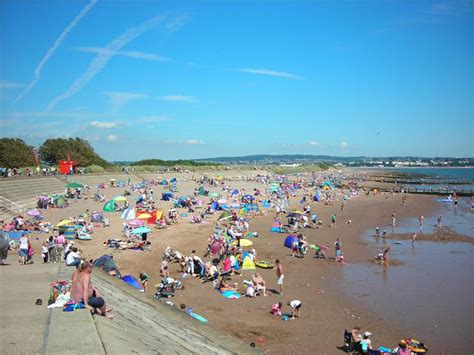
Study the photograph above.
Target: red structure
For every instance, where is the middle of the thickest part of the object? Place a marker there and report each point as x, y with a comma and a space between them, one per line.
67, 167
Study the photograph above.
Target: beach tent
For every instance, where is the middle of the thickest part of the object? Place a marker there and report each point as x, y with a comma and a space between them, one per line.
59, 201
234, 192
225, 216
214, 206
247, 263
128, 214
163, 182
201, 191
173, 180
109, 206
132, 281
290, 240
167, 195
214, 194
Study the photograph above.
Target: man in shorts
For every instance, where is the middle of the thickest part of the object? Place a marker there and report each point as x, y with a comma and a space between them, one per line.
295, 308
280, 276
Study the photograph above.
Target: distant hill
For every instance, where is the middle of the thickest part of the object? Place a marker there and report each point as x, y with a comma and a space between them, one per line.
263, 159
280, 158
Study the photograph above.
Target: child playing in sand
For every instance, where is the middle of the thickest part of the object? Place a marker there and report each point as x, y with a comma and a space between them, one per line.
276, 309
144, 280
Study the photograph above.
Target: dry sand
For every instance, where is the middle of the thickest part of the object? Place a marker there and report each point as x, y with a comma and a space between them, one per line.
326, 311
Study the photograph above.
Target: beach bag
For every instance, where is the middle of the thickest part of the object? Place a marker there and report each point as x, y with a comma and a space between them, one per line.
57, 288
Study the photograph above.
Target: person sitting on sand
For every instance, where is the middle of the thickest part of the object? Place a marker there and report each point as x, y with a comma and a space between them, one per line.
250, 292
224, 285
356, 338
82, 290
259, 283
276, 309
366, 343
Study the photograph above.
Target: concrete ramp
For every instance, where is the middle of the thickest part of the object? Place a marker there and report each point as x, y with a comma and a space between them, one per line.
146, 326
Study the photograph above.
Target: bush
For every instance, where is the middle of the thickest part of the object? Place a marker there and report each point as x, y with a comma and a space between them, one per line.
94, 169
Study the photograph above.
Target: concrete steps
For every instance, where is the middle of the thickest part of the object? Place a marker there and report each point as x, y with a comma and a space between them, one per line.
145, 326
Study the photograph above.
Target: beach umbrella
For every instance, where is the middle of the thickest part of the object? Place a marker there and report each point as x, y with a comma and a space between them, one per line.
33, 212
135, 223
144, 216
293, 215
141, 230
119, 199
297, 211
74, 185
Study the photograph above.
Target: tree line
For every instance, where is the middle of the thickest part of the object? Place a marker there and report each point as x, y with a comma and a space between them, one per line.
15, 153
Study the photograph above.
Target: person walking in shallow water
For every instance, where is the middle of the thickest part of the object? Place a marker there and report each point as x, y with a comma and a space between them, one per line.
394, 219
422, 222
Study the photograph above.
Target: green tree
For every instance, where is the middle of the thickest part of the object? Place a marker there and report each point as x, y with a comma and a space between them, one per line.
54, 150
14, 152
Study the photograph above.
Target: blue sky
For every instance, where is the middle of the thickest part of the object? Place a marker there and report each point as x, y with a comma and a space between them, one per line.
195, 79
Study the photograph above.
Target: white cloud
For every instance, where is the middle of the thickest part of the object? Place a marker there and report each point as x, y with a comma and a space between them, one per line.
280, 74
314, 144
101, 60
153, 119
103, 125
344, 145
55, 46
130, 54
179, 98
111, 138
119, 99
194, 142
10, 85
176, 23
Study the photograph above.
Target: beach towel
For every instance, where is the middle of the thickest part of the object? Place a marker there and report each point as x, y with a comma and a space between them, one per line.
230, 294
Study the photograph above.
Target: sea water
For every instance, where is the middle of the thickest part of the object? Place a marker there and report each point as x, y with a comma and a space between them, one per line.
440, 178
431, 293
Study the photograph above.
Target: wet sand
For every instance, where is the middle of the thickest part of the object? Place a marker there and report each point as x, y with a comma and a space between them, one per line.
326, 311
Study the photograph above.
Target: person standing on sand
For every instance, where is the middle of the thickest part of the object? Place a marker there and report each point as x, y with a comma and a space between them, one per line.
394, 219
337, 247
413, 238
439, 222
333, 221
280, 276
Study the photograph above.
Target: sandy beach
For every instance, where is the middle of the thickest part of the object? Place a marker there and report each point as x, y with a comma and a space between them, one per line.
326, 311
